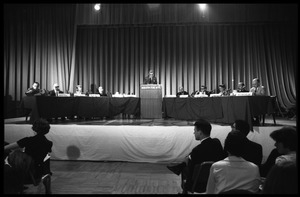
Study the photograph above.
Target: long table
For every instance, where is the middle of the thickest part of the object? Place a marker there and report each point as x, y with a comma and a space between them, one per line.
52, 107
218, 109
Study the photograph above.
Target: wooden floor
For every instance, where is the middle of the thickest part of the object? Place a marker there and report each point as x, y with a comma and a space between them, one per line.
85, 177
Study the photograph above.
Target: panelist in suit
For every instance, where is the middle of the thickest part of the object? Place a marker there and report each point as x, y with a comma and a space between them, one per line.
181, 92
223, 91
55, 90
150, 79
203, 90
33, 90
241, 87
209, 149
253, 151
257, 89
78, 90
101, 91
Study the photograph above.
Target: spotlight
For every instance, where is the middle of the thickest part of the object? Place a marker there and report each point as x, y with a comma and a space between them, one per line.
97, 6
202, 6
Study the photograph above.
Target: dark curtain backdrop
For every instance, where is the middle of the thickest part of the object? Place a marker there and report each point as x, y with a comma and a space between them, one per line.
39, 45
116, 46
118, 58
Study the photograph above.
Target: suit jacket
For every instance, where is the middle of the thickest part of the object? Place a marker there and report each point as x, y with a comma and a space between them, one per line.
52, 93
253, 152
260, 91
265, 168
148, 80
182, 93
242, 90
32, 92
209, 150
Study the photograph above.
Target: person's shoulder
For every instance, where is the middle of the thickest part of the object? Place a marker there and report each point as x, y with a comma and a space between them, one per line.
219, 163
215, 140
253, 143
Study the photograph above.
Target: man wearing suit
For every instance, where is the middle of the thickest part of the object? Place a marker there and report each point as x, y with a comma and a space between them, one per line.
257, 89
241, 87
55, 90
101, 91
208, 150
252, 150
150, 79
181, 92
33, 90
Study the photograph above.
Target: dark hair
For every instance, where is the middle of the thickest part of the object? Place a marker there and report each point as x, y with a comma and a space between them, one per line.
204, 126
242, 126
203, 86
222, 86
242, 83
21, 165
38, 84
234, 143
287, 136
19, 160
282, 179
257, 79
41, 126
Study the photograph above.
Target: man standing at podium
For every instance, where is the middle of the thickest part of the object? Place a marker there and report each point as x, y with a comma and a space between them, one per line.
150, 79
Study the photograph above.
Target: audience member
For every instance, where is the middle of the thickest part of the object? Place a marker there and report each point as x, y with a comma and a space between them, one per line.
252, 151
286, 142
265, 167
257, 89
209, 149
181, 92
38, 147
33, 90
282, 179
17, 167
234, 172
241, 87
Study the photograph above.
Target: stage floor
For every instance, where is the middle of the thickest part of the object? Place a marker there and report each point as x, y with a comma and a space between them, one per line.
118, 120
132, 140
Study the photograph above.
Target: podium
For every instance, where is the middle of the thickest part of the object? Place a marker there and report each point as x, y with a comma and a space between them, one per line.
151, 101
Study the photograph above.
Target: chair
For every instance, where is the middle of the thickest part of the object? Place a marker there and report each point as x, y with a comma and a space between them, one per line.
200, 176
45, 179
274, 104
237, 191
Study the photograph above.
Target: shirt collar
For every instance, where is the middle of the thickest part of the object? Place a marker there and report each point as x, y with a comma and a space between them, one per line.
6, 161
234, 158
203, 139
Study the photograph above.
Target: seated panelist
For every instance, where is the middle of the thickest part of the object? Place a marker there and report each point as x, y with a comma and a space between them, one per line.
241, 87
181, 92
257, 89
33, 90
101, 91
55, 90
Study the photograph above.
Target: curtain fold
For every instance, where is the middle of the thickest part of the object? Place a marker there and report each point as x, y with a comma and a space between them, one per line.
188, 55
39, 46
71, 44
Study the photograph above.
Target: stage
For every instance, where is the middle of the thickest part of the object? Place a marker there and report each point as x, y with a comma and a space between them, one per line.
132, 140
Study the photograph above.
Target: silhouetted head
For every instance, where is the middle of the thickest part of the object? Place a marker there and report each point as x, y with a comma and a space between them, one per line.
41, 127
